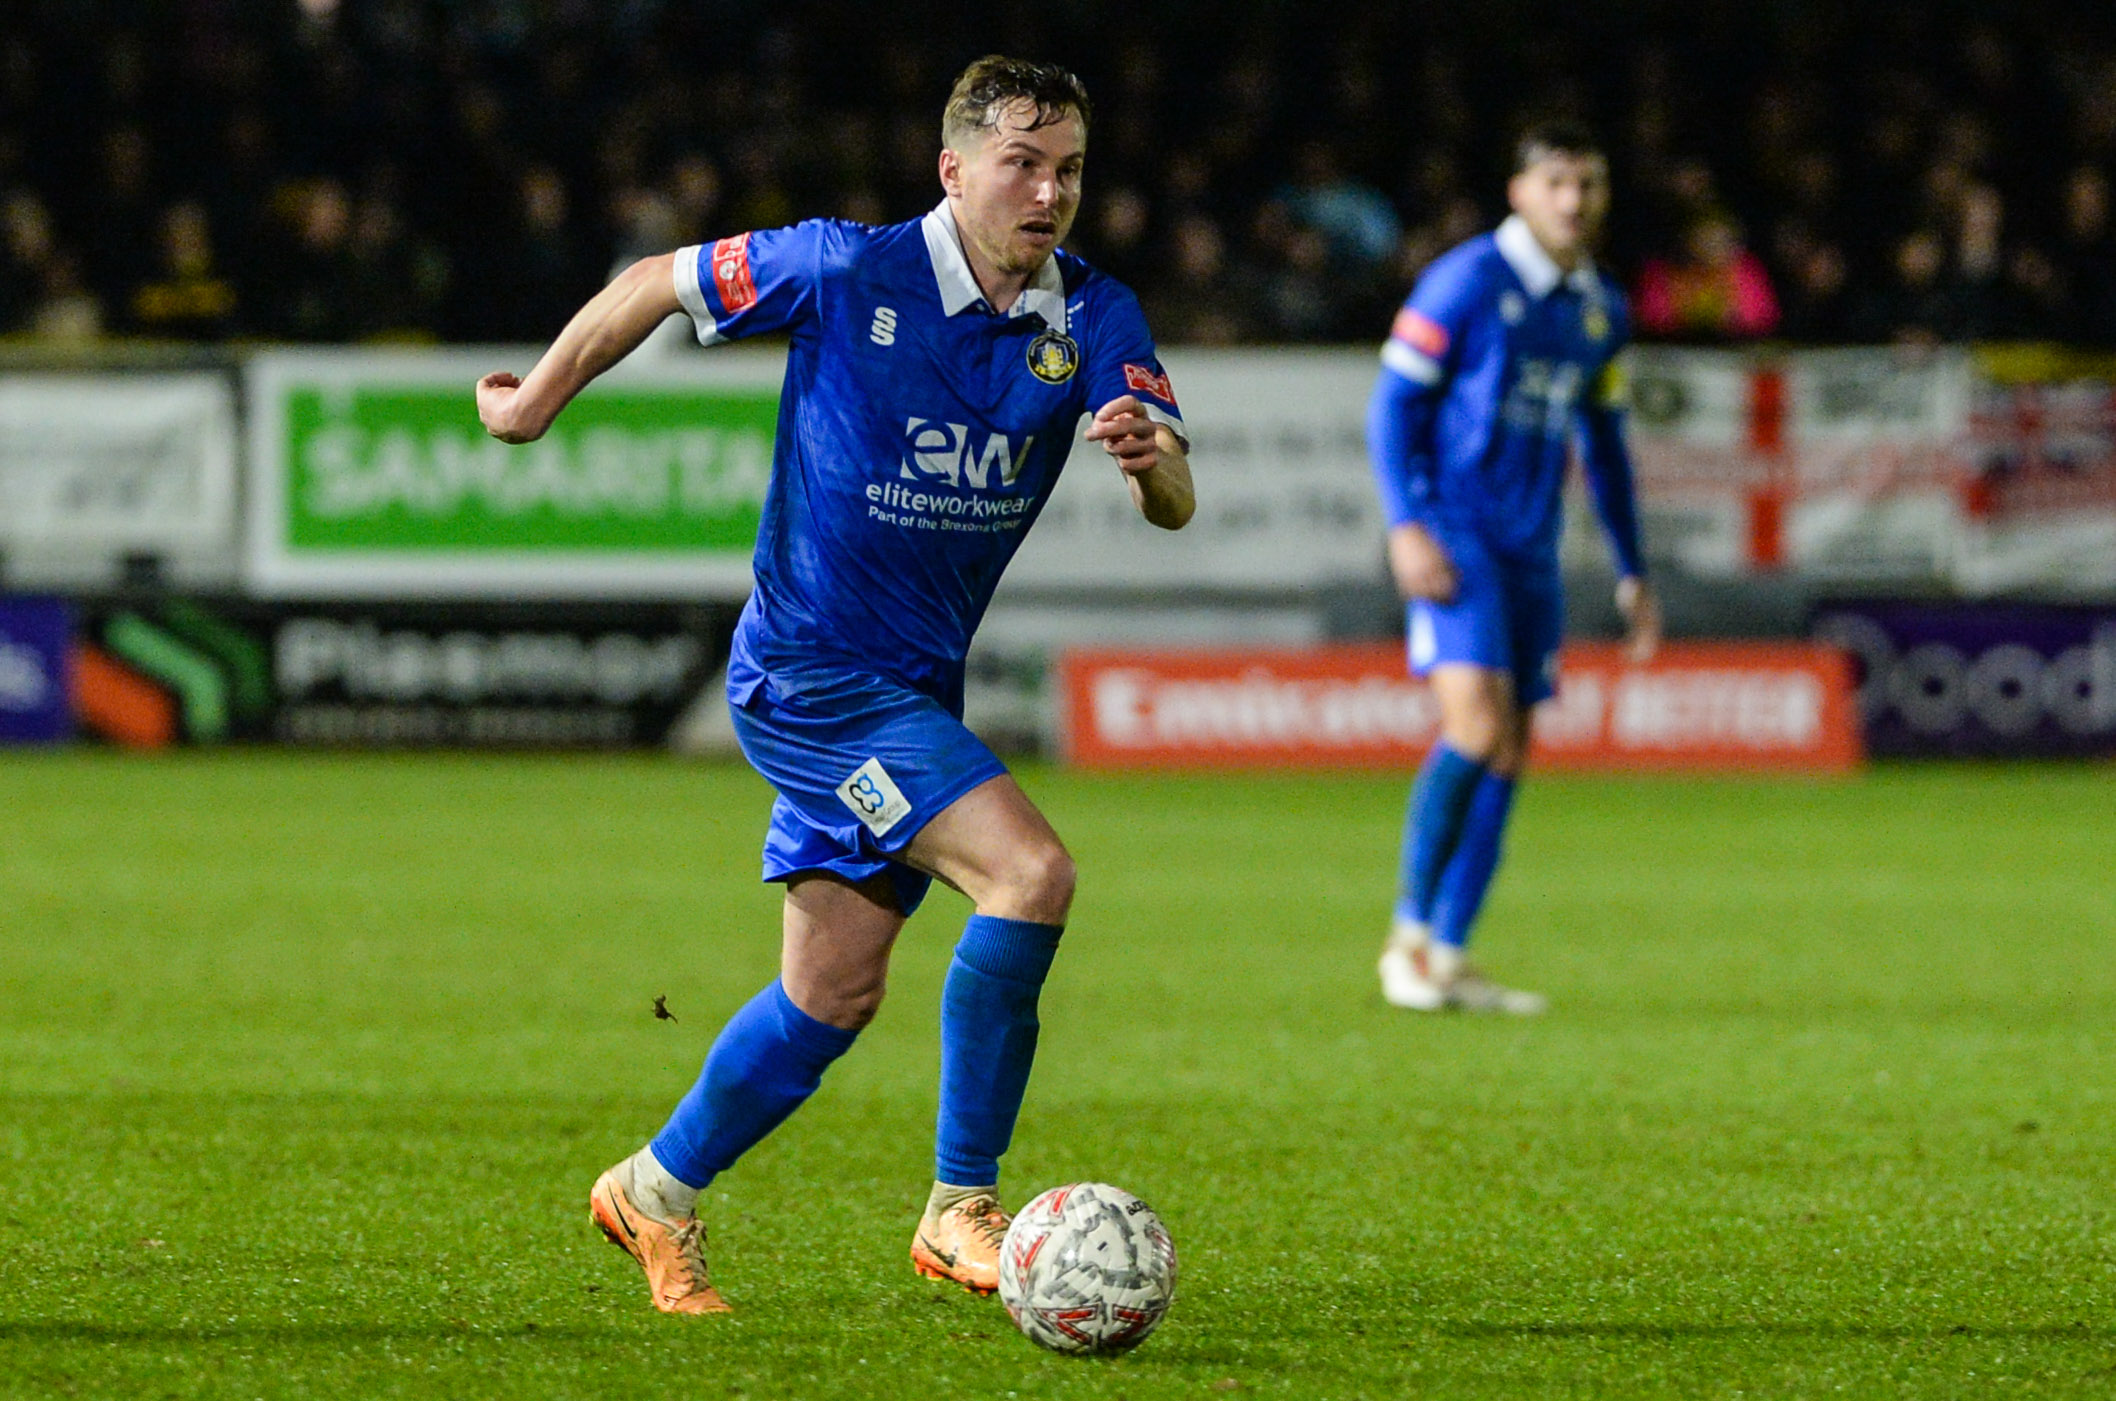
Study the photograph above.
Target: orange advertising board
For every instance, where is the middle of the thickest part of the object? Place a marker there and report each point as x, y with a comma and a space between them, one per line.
1696, 706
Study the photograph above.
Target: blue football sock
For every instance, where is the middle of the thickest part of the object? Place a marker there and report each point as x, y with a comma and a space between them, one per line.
988, 1042
768, 1059
1439, 805
1469, 872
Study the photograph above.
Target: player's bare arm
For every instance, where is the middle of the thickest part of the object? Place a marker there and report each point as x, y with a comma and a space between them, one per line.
1152, 458
1420, 564
611, 326
1641, 612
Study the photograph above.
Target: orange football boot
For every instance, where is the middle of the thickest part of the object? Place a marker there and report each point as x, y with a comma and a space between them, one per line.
671, 1252
962, 1244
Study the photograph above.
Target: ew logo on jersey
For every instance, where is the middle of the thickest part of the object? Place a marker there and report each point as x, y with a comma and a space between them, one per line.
1144, 379
953, 453
731, 273
1421, 333
874, 798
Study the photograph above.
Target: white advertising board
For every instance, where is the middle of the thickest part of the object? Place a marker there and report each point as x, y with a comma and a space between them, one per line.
96, 467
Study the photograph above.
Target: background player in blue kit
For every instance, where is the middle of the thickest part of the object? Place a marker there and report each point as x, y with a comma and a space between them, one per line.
936, 374
1503, 355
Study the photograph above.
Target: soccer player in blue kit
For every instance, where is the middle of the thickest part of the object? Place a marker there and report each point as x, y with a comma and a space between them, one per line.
1503, 355
936, 374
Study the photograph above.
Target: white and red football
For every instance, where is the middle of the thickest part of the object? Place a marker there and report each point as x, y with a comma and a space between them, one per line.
1087, 1268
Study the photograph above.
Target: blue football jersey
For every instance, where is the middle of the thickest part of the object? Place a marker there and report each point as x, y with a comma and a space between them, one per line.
1498, 362
919, 432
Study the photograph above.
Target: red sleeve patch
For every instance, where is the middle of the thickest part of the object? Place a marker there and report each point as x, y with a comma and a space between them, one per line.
1421, 333
1142, 377
731, 273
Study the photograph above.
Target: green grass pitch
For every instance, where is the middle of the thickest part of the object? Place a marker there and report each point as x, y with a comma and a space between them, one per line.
306, 1065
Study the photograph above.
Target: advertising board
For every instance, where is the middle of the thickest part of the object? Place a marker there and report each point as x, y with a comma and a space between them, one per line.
36, 637
1285, 497
1986, 679
1696, 706
98, 467
396, 673
370, 476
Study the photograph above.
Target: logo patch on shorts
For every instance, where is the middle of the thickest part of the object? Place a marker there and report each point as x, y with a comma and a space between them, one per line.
1425, 648
874, 797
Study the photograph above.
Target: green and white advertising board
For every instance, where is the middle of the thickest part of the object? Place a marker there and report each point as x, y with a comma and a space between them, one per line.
370, 476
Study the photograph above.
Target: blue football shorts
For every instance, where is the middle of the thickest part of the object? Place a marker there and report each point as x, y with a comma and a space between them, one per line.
861, 764
1504, 616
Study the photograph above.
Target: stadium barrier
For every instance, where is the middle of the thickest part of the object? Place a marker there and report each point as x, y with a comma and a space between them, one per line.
1723, 706
325, 479
1978, 471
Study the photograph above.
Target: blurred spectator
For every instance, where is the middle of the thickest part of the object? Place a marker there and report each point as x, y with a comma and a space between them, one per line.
1358, 224
26, 248
67, 312
311, 269
547, 277
2089, 257
1913, 307
185, 296
694, 192
1290, 266
1200, 301
1718, 291
1983, 304
1818, 295
1117, 221
122, 218
2036, 303
397, 281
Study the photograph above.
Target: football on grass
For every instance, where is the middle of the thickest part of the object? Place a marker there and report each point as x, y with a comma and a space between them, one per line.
1087, 1268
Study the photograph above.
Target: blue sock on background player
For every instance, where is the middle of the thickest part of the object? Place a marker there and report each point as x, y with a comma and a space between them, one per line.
1440, 802
767, 1060
988, 1042
1469, 871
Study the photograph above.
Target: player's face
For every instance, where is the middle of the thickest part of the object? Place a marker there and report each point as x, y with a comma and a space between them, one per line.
1017, 188
1563, 199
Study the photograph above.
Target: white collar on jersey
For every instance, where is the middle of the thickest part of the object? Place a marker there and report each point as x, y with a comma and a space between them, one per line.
1538, 271
1045, 294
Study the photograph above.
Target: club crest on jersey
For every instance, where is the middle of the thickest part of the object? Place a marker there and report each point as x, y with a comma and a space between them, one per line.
1595, 322
1053, 356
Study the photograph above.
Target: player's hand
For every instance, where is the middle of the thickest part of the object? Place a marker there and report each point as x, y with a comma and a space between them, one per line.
1421, 566
1127, 434
1641, 610
500, 409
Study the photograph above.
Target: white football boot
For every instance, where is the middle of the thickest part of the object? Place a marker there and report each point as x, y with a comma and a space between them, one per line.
1424, 976
1406, 981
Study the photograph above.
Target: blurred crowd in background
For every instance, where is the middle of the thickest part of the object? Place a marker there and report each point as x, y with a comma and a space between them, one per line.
472, 170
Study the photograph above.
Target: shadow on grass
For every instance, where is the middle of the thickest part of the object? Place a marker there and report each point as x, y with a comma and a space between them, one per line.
1676, 1332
